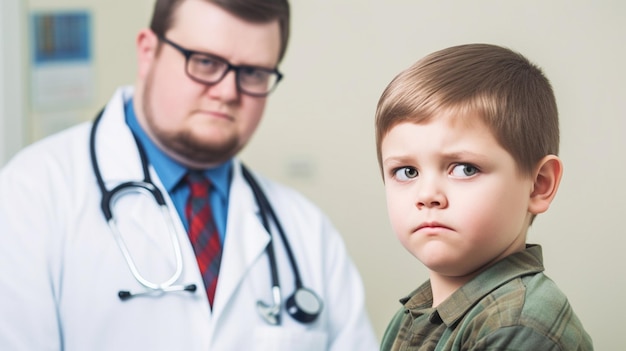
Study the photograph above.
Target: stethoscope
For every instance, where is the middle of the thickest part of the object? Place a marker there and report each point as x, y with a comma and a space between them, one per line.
303, 305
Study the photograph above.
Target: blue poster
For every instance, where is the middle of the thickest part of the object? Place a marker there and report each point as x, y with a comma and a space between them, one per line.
62, 60
61, 37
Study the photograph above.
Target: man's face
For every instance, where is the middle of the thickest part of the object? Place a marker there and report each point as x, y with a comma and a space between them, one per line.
196, 124
455, 197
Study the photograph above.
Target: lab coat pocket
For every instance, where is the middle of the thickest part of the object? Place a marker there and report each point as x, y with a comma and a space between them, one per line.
271, 338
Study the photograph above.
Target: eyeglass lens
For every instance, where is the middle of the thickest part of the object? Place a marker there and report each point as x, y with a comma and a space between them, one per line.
210, 70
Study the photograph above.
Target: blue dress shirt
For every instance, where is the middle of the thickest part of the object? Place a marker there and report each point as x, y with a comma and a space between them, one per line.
171, 174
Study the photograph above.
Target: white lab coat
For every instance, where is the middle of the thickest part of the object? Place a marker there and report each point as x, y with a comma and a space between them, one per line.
61, 270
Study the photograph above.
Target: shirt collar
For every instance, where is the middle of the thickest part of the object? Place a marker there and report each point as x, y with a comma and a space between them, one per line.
522, 263
169, 171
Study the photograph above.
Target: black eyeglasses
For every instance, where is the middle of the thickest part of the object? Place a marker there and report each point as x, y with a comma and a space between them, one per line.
210, 69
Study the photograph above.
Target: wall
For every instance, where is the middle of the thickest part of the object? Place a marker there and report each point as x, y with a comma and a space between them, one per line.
3, 87
318, 132
12, 102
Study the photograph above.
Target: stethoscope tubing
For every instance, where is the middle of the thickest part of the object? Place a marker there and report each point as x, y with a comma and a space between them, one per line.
146, 186
109, 197
265, 207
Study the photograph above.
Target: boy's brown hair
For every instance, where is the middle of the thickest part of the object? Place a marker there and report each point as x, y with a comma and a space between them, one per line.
511, 94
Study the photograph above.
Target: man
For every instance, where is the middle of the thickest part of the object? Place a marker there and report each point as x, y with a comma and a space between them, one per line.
86, 261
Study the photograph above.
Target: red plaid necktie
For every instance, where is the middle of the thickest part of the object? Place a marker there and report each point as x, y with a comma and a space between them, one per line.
202, 231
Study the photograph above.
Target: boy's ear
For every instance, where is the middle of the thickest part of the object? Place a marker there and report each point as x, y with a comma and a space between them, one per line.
547, 177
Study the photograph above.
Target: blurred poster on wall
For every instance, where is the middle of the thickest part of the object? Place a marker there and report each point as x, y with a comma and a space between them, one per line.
62, 61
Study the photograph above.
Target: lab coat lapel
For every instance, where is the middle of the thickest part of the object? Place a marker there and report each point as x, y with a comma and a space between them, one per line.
246, 240
114, 140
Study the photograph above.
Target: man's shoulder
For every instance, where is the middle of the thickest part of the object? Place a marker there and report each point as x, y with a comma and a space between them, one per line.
52, 151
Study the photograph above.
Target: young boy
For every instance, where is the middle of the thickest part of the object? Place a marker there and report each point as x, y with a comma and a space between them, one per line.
467, 140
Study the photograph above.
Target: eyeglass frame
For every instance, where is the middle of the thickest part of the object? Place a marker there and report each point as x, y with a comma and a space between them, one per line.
187, 53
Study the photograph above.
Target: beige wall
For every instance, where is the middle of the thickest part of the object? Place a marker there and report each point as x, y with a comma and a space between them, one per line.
318, 132
12, 88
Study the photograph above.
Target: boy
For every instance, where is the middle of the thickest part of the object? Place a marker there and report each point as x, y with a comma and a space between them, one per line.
467, 140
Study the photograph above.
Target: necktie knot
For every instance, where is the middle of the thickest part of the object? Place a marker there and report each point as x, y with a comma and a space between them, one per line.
199, 185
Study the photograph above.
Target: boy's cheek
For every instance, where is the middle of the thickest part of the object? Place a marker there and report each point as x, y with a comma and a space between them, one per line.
398, 218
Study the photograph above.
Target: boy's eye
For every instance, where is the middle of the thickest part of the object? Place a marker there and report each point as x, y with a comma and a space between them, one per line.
405, 173
464, 170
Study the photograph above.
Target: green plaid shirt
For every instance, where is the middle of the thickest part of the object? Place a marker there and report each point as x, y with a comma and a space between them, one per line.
510, 306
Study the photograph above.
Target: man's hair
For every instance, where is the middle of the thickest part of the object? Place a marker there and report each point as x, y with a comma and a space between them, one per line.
255, 11
510, 94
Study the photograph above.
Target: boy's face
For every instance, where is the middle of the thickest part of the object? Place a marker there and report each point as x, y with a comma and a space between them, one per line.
455, 198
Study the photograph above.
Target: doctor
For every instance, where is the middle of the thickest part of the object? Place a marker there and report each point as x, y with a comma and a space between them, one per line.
70, 280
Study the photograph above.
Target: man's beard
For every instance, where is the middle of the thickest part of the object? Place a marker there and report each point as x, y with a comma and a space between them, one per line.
183, 144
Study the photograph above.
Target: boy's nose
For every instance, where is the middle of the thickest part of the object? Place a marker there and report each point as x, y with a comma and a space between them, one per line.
430, 195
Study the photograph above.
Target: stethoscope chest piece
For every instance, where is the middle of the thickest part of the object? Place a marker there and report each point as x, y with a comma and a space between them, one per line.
304, 305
